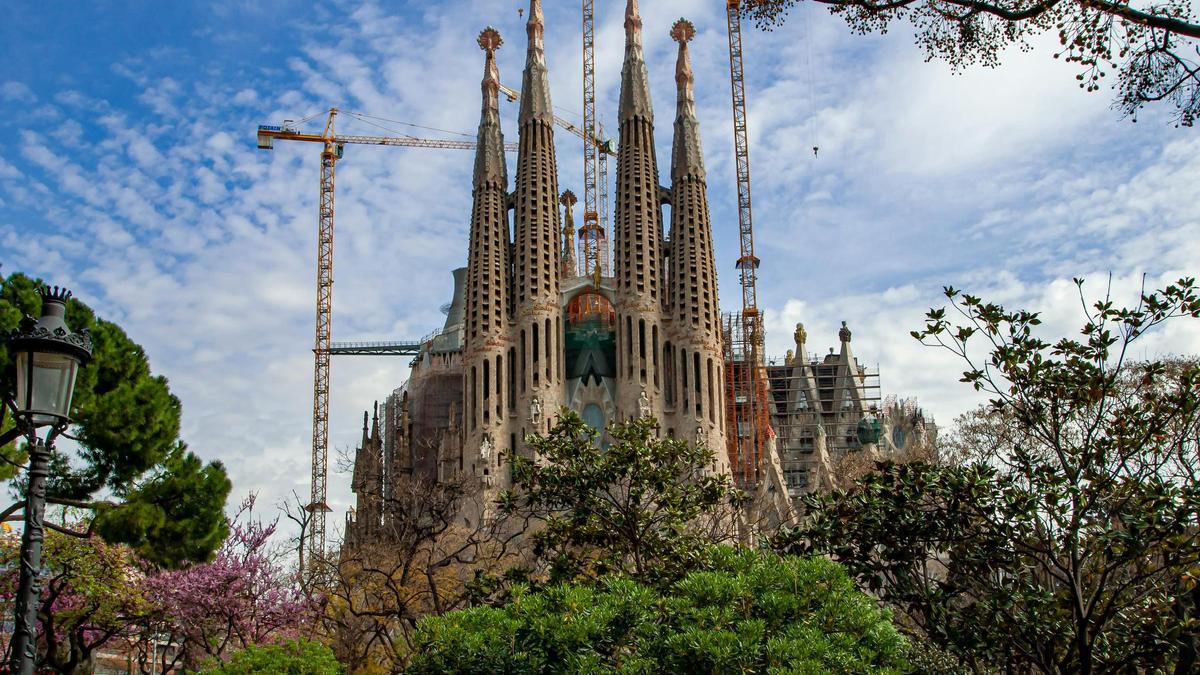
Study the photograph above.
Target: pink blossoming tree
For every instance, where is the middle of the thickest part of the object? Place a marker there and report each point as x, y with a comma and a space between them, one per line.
92, 595
246, 596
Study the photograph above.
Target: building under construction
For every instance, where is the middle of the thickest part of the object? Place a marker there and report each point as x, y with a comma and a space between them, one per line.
532, 327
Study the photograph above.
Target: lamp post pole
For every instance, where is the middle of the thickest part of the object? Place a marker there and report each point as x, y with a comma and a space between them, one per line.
29, 590
47, 356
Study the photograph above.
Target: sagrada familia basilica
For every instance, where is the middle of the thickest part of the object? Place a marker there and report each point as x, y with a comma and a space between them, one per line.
525, 335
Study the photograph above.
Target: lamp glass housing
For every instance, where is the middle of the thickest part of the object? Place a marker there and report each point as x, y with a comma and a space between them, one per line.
45, 384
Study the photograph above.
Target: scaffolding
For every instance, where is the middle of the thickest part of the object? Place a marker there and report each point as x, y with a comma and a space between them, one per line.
822, 409
746, 398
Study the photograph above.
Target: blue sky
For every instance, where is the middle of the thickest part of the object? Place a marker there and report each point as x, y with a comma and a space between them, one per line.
130, 174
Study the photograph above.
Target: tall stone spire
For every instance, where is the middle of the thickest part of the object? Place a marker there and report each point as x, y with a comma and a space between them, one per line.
693, 295
693, 307
635, 83
537, 328
486, 337
367, 483
687, 158
490, 165
535, 84
568, 200
638, 229
487, 273
850, 380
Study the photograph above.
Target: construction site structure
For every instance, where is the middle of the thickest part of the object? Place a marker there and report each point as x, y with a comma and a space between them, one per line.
746, 386
823, 409
827, 409
593, 244
332, 149
519, 342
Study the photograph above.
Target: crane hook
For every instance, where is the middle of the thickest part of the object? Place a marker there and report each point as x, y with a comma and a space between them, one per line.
815, 148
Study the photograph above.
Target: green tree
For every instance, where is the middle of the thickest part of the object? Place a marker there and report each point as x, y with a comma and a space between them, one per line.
641, 505
128, 469
294, 657
1151, 47
1072, 546
92, 594
753, 612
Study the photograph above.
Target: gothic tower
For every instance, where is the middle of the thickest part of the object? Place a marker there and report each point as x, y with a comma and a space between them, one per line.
537, 320
568, 201
367, 485
486, 349
694, 373
638, 230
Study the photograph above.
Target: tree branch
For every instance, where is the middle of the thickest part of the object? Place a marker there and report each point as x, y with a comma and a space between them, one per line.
67, 531
999, 10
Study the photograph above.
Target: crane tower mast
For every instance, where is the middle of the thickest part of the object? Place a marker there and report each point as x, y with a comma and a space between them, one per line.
749, 398
592, 235
318, 503
331, 152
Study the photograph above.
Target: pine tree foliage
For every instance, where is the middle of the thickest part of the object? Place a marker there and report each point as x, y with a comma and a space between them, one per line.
127, 466
752, 612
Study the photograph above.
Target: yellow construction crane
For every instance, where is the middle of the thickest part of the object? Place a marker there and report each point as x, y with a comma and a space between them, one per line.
331, 151
594, 233
748, 399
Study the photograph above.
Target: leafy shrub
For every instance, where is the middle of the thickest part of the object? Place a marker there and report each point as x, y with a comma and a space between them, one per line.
752, 612
295, 657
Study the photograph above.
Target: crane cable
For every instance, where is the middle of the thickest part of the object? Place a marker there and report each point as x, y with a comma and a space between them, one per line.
812, 112
363, 117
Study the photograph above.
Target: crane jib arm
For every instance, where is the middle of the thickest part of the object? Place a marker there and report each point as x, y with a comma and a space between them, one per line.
268, 134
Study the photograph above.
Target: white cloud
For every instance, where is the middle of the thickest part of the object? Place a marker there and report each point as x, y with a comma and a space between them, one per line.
9, 171
246, 97
17, 91
1005, 182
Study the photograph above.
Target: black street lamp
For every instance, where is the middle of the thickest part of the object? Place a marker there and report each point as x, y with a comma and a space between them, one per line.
48, 356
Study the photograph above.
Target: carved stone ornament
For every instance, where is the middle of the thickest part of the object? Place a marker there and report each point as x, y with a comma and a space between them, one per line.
801, 336
802, 401
486, 448
701, 437
643, 404
535, 411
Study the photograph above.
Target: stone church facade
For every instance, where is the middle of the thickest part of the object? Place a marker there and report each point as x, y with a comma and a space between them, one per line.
525, 336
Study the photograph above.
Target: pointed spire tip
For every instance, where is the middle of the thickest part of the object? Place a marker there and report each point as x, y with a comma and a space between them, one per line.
683, 31
633, 18
536, 25
490, 40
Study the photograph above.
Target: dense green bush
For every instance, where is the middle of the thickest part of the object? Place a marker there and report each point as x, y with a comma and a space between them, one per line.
294, 657
753, 612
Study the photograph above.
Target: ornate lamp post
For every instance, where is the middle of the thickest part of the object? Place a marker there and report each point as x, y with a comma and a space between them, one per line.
48, 356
